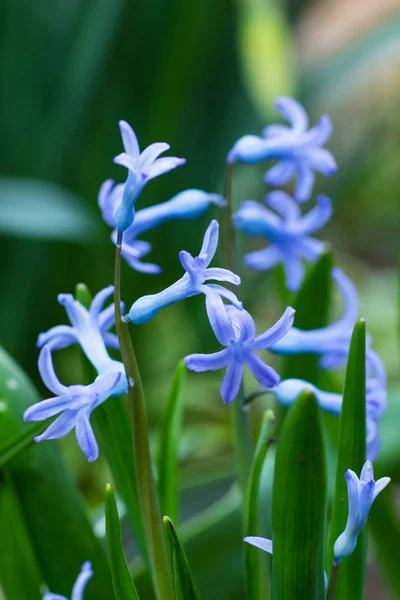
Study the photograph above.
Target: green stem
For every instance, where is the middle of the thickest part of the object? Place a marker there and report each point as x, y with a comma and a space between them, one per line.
330, 594
242, 442
148, 500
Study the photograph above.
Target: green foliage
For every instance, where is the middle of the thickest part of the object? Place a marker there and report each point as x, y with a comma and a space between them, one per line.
124, 587
44, 502
298, 505
351, 455
184, 586
167, 483
255, 576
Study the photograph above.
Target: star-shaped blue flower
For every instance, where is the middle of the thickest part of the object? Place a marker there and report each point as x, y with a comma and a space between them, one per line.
297, 148
288, 234
235, 329
79, 587
74, 405
361, 493
193, 282
141, 168
185, 205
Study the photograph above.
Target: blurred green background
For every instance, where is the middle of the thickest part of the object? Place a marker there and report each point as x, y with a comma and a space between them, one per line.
197, 75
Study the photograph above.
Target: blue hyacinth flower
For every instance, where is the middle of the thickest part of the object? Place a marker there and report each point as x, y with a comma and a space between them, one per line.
185, 205
298, 149
235, 329
79, 587
73, 405
193, 282
288, 234
90, 329
331, 342
361, 494
141, 168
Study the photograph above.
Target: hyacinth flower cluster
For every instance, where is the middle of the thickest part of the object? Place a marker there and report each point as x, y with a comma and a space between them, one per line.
299, 152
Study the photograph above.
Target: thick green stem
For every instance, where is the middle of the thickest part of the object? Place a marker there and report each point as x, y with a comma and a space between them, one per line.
148, 500
242, 442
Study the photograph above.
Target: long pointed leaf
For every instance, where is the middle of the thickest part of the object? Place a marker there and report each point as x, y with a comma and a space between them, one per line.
255, 579
298, 506
351, 455
124, 587
184, 586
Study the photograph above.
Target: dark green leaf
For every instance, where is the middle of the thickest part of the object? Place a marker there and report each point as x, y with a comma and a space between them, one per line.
55, 516
298, 506
19, 572
124, 587
168, 489
255, 577
351, 455
20, 442
184, 587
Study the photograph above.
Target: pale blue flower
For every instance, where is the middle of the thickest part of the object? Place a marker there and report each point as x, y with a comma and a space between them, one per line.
90, 329
235, 329
193, 282
73, 405
79, 587
361, 493
288, 234
185, 205
297, 148
141, 168
331, 342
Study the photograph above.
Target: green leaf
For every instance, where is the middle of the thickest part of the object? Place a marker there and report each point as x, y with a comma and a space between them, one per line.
55, 516
112, 423
20, 442
310, 314
184, 587
168, 488
255, 578
266, 52
124, 587
19, 572
351, 455
298, 505
32, 208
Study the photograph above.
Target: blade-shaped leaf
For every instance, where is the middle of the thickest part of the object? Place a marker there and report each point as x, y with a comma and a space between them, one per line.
351, 455
298, 505
20, 442
184, 586
124, 587
20, 576
168, 489
55, 517
255, 577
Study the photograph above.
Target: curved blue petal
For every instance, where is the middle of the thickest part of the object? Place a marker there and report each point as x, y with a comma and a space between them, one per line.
80, 585
207, 362
260, 542
85, 436
266, 376
231, 381
276, 332
293, 112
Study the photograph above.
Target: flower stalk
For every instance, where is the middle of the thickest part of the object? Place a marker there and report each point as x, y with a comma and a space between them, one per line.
148, 500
